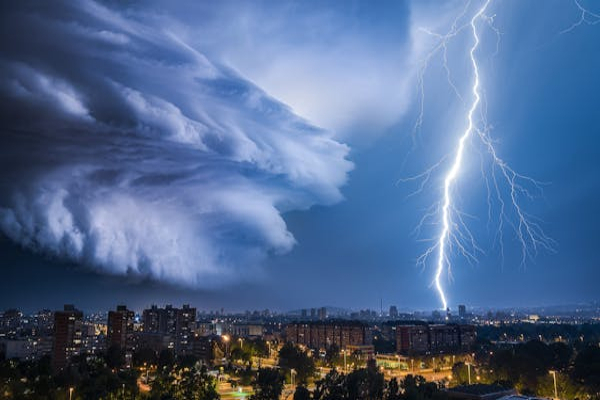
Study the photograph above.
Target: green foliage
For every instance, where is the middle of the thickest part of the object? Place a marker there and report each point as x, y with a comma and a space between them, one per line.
196, 384
268, 384
292, 357
331, 387
115, 357
586, 370
145, 356
460, 373
365, 383
392, 390
368, 384
301, 393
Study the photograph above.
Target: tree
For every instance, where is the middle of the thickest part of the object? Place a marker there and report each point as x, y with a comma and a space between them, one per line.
365, 384
196, 384
301, 393
166, 358
144, 355
292, 357
460, 373
268, 384
586, 370
392, 390
115, 357
332, 354
417, 388
331, 387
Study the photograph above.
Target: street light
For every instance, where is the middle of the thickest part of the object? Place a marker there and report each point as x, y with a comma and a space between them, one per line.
241, 343
71, 393
555, 388
226, 340
469, 371
292, 373
345, 364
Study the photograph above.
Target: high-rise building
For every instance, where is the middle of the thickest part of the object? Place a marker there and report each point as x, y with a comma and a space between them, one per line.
323, 334
304, 313
67, 336
393, 312
150, 318
175, 326
322, 313
184, 329
120, 328
462, 311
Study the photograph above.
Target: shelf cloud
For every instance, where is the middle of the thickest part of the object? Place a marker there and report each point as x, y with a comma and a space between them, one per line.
127, 150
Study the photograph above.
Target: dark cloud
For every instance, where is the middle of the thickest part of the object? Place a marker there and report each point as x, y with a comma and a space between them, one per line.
130, 151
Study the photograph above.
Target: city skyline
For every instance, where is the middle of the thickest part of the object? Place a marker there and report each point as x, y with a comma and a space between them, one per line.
199, 155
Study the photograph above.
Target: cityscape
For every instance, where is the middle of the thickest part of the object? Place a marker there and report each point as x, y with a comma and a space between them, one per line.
300, 200
181, 352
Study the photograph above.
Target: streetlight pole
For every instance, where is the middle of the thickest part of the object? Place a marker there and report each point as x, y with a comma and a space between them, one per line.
226, 339
469, 371
292, 373
555, 388
345, 365
71, 393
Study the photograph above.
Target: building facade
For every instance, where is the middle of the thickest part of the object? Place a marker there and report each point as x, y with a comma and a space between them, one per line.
67, 336
321, 335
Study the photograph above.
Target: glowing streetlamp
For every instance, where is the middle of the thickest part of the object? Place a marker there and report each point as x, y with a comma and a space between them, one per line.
555, 388
469, 371
292, 373
226, 340
71, 393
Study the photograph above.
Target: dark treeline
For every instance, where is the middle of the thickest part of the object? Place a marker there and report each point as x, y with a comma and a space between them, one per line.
576, 334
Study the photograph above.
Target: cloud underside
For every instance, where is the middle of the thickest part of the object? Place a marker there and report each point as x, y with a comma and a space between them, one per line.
129, 151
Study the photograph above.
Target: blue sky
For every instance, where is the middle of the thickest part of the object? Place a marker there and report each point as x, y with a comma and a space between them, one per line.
248, 155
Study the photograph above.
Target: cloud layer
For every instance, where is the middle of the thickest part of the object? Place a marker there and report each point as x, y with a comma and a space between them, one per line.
130, 151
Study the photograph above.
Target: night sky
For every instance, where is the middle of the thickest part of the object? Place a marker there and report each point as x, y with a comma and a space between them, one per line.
254, 155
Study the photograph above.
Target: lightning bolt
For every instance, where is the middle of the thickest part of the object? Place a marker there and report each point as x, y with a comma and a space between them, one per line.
585, 17
505, 187
456, 165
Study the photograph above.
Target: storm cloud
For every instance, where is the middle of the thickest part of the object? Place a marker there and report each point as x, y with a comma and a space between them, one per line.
127, 150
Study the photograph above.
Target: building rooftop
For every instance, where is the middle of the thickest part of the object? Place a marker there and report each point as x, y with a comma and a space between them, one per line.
481, 391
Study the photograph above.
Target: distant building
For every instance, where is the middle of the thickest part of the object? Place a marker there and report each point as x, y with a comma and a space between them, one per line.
321, 334
393, 312
313, 313
462, 311
304, 313
10, 321
67, 336
322, 313
120, 328
412, 339
245, 330
437, 338
177, 326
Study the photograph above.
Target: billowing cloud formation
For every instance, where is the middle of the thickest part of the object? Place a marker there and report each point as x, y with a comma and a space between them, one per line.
126, 149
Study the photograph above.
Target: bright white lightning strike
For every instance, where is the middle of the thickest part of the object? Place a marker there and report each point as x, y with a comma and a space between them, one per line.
505, 187
453, 172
